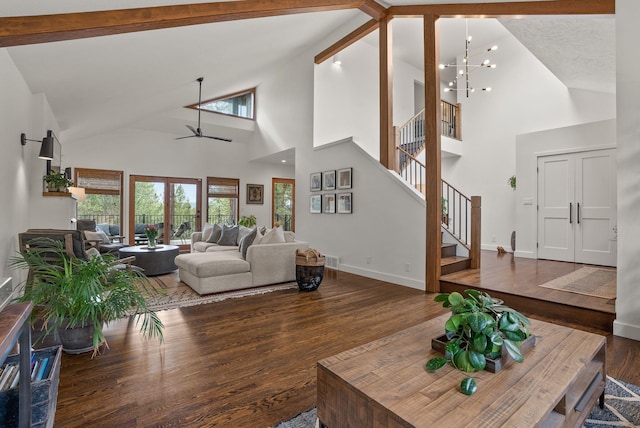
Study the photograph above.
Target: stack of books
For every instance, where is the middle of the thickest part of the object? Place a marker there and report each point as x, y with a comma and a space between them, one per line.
10, 373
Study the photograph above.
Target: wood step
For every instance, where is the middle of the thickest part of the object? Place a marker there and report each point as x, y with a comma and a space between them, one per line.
447, 250
454, 264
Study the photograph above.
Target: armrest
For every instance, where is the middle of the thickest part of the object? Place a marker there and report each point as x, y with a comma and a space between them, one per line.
274, 263
195, 237
120, 238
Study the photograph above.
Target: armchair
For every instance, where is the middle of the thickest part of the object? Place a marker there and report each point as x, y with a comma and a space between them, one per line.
104, 243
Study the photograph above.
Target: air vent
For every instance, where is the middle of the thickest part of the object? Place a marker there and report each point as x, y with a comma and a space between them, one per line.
331, 261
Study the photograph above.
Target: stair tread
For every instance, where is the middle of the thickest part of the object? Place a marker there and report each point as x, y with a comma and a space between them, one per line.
453, 259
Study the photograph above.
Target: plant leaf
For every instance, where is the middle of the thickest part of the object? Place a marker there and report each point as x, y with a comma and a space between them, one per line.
462, 362
468, 386
441, 297
477, 360
477, 322
517, 336
456, 299
436, 363
514, 350
480, 343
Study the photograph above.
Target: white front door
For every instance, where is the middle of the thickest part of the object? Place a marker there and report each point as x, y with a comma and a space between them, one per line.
577, 207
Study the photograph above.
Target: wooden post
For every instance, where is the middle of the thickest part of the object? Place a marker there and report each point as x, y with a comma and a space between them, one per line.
387, 148
458, 121
475, 231
433, 190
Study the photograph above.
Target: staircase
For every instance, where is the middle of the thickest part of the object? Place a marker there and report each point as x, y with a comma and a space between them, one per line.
460, 214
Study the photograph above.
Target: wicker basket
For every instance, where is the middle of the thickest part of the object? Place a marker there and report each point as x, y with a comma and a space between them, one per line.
309, 269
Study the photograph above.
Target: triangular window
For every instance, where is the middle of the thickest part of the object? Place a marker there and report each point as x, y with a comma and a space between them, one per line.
240, 104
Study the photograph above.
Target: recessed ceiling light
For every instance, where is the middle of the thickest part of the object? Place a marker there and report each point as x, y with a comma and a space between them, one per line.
284, 161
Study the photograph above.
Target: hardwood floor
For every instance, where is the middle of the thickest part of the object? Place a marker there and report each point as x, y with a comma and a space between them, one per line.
247, 362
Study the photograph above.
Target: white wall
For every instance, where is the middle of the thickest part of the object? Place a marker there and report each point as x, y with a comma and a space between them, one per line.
139, 152
346, 98
590, 136
387, 224
627, 321
525, 97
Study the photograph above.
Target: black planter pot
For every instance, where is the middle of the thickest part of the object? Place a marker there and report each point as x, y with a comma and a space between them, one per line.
76, 340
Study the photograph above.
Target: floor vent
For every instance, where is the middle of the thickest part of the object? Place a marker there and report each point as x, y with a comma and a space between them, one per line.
331, 261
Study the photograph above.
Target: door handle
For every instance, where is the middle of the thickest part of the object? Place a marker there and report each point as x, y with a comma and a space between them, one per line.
570, 211
578, 212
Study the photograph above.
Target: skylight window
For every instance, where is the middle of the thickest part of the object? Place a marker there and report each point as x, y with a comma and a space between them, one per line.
240, 104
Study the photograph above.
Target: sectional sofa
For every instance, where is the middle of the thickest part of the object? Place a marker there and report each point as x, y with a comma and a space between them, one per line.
269, 258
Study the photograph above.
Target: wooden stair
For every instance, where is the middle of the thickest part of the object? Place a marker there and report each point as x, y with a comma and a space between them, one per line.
449, 262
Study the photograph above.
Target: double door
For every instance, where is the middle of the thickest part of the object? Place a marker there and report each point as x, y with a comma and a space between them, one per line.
577, 207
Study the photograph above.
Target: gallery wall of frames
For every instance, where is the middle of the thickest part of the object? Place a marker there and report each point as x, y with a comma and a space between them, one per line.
331, 197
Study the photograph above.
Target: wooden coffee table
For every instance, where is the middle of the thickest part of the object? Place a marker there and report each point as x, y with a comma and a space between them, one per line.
384, 383
156, 261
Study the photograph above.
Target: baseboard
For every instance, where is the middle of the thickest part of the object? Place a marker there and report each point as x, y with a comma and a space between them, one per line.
525, 254
626, 330
394, 279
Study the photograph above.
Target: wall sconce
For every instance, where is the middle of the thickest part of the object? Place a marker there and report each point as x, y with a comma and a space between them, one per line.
46, 150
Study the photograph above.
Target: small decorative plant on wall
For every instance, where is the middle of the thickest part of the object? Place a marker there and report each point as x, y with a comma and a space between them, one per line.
482, 333
57, 182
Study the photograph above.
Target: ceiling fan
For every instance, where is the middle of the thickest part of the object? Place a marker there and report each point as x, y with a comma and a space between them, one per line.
197, 132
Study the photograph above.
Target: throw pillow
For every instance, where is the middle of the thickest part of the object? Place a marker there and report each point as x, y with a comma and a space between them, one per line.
258, 238
103, 227
207, 230
289, 236
242, 232
216, 232
229, 236
246, 242
274, 236
98, 236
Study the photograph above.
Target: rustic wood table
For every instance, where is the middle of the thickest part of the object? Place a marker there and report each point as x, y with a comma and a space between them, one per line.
385, 384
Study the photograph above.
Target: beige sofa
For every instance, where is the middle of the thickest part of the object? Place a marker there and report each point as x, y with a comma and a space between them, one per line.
222, 268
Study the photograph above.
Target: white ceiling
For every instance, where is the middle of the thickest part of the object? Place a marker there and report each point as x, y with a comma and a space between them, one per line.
142, 79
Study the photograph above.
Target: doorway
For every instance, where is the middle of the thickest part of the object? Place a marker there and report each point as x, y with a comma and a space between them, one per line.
577, 207
173, 205
283, 202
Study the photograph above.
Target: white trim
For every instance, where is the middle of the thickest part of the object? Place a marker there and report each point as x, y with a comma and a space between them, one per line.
407, 282
626, 330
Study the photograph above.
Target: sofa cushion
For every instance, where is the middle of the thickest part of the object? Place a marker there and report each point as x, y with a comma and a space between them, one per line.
246, 242
204, 265
139, 228
289, 236
114, 230
229, 235
274, 236
103, 227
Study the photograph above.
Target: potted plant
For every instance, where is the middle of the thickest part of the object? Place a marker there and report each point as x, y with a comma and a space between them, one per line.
247, 221
75, 297
57, 181
478, 330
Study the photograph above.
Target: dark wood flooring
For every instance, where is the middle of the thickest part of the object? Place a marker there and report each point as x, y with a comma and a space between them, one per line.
250, 362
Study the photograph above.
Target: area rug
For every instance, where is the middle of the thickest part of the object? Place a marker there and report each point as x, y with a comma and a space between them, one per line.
176, 294
621, 409
590, 281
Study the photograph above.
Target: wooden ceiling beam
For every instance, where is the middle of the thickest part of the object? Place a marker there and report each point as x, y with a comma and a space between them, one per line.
352, 37
22, 30
510, 9
374, 9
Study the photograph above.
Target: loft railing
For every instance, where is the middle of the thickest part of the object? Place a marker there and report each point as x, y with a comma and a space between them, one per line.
451, 120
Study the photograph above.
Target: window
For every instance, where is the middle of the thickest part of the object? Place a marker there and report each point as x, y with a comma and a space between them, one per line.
223, 195
283, 202
240, 104
103, 200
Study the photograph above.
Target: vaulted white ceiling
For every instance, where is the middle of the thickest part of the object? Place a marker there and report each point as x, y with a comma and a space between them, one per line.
143, 79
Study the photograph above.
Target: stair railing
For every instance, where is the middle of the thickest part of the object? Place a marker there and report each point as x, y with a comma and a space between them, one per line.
451, 120
410, 169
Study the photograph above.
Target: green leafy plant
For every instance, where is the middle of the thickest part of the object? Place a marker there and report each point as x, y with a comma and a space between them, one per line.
512, 182
478, 328
57, 181
247, 221
77, 292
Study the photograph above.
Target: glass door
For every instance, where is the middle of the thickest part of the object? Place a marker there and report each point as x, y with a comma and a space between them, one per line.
172, 205
283, 202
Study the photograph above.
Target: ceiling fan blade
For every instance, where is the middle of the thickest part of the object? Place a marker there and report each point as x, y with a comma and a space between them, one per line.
228, 140
196, 133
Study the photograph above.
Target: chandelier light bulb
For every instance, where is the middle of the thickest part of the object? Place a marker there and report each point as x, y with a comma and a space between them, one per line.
450, 83
493, 66
442, 66
488, 89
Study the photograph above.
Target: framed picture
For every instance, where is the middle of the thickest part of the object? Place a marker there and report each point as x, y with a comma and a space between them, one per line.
316, 181
315, 204
344, 178
329, 203
329, 180
255, 194
344, 203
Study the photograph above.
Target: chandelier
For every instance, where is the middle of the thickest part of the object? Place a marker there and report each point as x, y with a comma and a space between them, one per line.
466, 68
